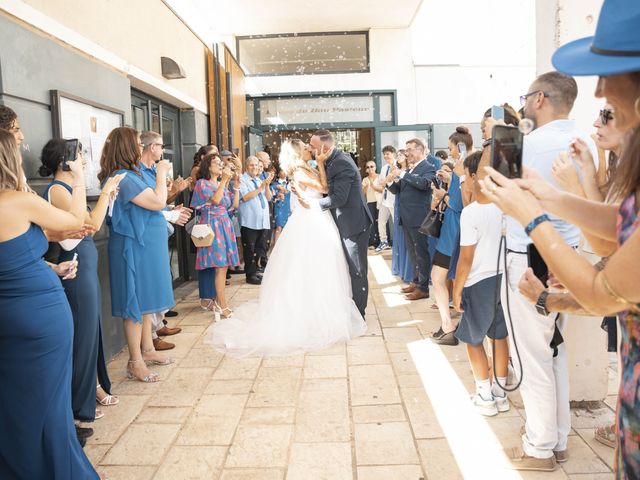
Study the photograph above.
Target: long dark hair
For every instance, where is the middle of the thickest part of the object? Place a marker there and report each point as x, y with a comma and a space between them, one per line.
52, 156
511, 117
121, 151
204, 167
202, 151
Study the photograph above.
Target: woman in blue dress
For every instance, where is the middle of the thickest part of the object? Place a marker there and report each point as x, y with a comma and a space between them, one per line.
213, 200
281, 197
138, 250
83, 292
400, 264
38, 438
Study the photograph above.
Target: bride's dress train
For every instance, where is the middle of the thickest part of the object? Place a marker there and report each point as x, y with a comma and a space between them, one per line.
305, 299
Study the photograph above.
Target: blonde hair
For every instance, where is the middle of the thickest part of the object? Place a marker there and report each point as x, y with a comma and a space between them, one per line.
291, 156
11, 174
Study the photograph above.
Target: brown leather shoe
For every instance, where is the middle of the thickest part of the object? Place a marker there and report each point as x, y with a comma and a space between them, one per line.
164, 331
409, 288
160, 344
417, 294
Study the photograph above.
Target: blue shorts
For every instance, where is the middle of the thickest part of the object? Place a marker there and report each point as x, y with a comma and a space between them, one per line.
482, 315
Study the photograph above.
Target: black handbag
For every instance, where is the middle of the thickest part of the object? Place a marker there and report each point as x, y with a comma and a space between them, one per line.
432, 223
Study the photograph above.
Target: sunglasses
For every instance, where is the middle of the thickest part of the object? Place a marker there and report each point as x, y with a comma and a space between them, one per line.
606, 114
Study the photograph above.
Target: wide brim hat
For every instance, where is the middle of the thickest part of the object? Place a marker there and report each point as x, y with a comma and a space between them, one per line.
613, 50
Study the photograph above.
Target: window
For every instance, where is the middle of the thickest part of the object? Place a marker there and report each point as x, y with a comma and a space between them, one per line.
304, 53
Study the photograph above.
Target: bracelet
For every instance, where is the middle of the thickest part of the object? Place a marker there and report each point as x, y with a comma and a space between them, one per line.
535, 222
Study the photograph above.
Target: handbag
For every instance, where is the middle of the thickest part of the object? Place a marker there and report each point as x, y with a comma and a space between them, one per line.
432, 223
201, 233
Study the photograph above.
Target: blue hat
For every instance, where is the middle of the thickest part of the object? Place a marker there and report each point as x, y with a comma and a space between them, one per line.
614, 49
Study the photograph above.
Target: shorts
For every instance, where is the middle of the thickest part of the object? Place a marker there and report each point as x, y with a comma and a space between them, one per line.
482, 315
441, 260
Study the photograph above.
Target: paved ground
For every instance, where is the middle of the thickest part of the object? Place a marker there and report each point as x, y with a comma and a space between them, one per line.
387, 406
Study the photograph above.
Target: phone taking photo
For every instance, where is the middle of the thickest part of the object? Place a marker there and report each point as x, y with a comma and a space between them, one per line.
497, 112
71, 148
506, 151
462, 148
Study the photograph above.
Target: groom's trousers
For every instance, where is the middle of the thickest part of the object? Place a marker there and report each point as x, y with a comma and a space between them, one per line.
355, 248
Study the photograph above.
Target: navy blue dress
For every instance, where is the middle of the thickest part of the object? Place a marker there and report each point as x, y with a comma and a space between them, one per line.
85, 300
139, 269
37, 435
400, 264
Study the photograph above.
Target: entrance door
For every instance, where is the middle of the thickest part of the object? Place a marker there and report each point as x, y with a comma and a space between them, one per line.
255, 141
397, 137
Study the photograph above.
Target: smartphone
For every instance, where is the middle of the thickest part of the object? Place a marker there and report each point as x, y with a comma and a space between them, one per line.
462, 148
70, 153
537, 264
506, 151
497, 112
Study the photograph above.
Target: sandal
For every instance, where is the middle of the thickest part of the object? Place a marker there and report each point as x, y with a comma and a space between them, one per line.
151, 378
606, 435
99, 414
108, 400
224, 312
166, 361
210, 306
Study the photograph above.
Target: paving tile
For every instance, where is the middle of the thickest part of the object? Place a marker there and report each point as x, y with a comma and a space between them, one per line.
95, 452
268, 416
396, 339
238, 368
201, 357
292, 361
395, 472
320, 461
128, 472
183, 388
229, 387
403, 363
367, 354
373, 385
142, 444
582, 459
378, 414
335, 349
260, 446
592, 476
278, 378
108, 429
252, 474
421, 414
323, 414
192, 463
163, 415
606, 454
214, 420
438, 461
385, 444
326, 366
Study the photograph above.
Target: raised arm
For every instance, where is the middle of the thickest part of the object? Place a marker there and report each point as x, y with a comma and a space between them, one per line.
155, 199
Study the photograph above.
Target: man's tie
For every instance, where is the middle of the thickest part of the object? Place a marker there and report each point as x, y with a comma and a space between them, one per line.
255, 183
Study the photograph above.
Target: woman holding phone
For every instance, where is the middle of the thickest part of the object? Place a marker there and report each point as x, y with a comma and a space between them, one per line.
36, 330
83, 292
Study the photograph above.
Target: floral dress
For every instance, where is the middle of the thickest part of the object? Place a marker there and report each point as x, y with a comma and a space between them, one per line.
281, 208
628, 422
223, 252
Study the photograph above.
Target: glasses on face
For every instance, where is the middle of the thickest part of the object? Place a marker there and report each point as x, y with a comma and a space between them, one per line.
141, 145
523, 98
370, 167
161, 145
606, 114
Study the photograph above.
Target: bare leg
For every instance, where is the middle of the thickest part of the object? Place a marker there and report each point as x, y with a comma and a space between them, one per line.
276, 235
478, 361
221, 277
147, 340
133, 334
501, 355
441, 294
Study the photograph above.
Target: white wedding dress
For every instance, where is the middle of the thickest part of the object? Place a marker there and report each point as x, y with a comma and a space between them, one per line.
305, 299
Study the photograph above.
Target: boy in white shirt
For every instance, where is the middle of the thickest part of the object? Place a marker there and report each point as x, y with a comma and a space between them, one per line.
476, 291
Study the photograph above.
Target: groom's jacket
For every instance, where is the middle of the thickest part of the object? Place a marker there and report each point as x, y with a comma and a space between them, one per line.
345, 199
414, 190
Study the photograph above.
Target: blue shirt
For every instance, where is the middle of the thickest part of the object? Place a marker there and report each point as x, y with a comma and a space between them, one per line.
254, 213
148, 175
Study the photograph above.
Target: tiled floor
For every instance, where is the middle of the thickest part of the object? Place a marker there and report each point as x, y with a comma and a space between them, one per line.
387, 406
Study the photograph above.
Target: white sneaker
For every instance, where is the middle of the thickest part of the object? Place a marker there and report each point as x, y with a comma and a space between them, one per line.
484, 407
502, 403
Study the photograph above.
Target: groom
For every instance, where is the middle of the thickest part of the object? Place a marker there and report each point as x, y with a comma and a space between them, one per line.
348, 208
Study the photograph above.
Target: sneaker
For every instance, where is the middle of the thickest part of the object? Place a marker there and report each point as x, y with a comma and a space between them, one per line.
502, 403
484, 407
519, 460
561, 455
448, 339
382, 246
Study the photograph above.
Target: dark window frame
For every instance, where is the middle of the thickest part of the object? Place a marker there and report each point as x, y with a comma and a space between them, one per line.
367, 69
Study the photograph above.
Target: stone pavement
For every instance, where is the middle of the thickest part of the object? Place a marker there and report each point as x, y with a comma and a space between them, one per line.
387, 406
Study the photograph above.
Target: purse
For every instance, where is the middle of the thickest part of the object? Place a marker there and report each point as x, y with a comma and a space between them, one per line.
432, 223
201, 233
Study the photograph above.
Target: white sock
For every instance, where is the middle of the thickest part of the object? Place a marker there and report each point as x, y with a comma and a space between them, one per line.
483, 388
497, 390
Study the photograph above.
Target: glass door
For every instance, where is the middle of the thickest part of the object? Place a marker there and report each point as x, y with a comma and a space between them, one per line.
398, 135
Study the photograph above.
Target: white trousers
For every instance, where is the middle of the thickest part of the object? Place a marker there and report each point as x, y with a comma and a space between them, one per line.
157, 322
545, 385
384, 214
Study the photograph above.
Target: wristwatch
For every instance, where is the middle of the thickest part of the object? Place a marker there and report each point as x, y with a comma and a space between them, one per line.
541, 304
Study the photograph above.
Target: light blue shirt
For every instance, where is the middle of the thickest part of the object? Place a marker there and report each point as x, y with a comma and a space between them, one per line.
254, 214
540, 148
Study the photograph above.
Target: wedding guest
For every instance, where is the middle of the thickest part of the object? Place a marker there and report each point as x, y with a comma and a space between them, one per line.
197, 158
36, 330
83, 292
254, 216
213, 199
138, 250
386, 199
281, 194
264, 169
372, 191
400, 263
9, 122
233, 161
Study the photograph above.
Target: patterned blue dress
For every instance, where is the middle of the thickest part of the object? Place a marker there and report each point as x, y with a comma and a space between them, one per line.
281, 208
139, 270
223, 252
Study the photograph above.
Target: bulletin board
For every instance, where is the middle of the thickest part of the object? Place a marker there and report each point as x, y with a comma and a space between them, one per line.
90, 123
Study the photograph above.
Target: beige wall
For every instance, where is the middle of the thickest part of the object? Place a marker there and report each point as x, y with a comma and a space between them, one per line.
138, 31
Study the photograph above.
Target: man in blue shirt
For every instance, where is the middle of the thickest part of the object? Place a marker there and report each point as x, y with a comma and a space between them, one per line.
255, 195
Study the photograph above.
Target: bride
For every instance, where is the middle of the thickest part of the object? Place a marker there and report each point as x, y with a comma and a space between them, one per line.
305, 298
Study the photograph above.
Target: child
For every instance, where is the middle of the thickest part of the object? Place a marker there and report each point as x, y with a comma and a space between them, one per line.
281, 202
476, 291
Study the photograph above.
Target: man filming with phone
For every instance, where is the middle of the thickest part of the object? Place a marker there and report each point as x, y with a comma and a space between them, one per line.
538, 334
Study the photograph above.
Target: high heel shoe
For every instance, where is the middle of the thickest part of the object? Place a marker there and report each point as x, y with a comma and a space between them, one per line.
166, 361
210, 306
224, 312
108, 400
151, 378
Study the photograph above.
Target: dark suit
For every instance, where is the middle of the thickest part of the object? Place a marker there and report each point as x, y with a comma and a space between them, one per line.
349, 209
414, 190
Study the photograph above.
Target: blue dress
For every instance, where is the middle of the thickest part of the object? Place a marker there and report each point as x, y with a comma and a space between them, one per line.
138, 255
281, 208
400, 264
38, 438
449, 241
84, 296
